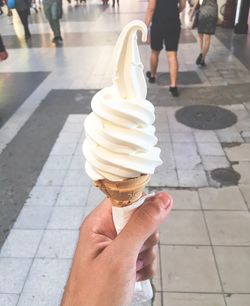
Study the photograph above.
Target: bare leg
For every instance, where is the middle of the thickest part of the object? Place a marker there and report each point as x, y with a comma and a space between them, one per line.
154, 59
206, 45
173, 67
201, 42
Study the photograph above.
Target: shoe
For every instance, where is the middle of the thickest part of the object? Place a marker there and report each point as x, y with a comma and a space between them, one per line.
57, 39
27, 36
202, 62
150, 78
198, 60
174, 92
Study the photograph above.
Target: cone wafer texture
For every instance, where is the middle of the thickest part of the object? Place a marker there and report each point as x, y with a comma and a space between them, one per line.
123, 193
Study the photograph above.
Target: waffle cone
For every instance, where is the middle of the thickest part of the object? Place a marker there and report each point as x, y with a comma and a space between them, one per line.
123, 193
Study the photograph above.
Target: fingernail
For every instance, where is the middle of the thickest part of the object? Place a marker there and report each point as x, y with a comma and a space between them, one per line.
166, 200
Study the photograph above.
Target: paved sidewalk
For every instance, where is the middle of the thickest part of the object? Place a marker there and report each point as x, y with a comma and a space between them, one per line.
204, 254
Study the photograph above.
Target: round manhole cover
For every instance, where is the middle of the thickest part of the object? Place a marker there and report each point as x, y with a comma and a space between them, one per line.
225, 176
206, 117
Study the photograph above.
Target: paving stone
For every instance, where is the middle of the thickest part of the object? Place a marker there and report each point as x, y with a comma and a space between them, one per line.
210, 148
58, 244
186, 156
77, 163
167, 155
157, 300
157, 276
8, 299
64, 149
243, 168
228, 198
194, 272
192, 299
214, 162
205, 136
162, 137
33, 217
246, 136
45, 282
43, 196
237, 299
234, 268
73, 127
245, 190
78, 150
229, 227
184, 227
13, 272
95, 196
192, 178
65, 137
182, 137
73, 196
77, 178
239, 153
184, 199
50, 177
164, 177
66, 218
21, 243
229, 135
60, 162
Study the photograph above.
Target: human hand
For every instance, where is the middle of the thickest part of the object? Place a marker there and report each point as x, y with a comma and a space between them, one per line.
3, 55
106, 266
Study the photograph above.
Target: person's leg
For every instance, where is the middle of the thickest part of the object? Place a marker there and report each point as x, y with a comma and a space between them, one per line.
23, 15
200, 37
113, 3
154, 59
199, 58
55, 22
206, 44
173, 67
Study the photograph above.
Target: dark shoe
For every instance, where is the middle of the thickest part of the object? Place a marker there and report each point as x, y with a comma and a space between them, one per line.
174, 92
57, 39
150, 78
202, 62
27, 36
198, 60
69, 1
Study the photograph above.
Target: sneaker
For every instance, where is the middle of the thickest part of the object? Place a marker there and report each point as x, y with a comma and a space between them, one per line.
198, 60
57, 39
150, 78
174, 92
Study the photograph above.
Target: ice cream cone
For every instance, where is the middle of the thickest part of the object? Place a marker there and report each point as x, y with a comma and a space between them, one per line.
123, 193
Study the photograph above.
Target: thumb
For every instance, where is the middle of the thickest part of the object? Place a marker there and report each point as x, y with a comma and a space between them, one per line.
144, 222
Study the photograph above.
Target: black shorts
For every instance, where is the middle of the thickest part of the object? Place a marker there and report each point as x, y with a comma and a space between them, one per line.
169, 35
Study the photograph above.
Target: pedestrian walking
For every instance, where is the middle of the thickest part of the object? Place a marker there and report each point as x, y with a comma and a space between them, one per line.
23, 10
163, 22
207, 21
53, 13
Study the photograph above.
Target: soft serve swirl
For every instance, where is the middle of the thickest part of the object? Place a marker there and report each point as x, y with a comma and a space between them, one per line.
120, 138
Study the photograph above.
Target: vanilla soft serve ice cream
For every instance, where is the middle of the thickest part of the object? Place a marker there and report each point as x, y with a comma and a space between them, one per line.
120, 137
